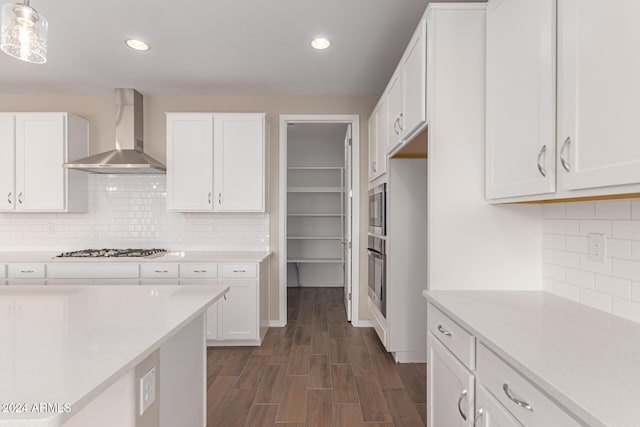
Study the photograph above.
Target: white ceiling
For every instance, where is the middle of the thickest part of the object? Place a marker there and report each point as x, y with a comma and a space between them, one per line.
234, 47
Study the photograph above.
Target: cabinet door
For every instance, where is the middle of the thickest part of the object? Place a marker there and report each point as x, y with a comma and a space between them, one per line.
521, 71
599, 94
213, 314
190, 162
490, 412
240, 311
40, 153
450, 388
239, 162
415, 81
381, 132
394, 110
373, 145
7, 162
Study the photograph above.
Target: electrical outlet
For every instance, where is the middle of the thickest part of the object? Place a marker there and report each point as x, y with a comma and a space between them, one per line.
147, 390
597, 247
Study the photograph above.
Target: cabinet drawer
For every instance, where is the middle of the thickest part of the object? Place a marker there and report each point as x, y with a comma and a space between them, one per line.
167, 271
27, 271
457, 340
198, 271
93, 270
518, 395
229, 271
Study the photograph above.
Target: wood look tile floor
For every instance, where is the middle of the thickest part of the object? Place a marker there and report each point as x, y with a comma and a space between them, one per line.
317, 371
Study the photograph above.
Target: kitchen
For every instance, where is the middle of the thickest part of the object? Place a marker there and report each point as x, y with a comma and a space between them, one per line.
476, 238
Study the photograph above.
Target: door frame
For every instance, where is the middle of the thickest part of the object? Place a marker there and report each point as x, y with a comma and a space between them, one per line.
354, 120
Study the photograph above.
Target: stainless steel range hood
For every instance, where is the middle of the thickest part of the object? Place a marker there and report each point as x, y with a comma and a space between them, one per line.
128, 157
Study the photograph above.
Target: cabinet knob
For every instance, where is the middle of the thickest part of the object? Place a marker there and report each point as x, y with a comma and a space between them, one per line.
541, 169
563, 160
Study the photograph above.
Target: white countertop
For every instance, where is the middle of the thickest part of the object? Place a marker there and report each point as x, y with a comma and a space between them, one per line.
587, 360
185, 256
68, 344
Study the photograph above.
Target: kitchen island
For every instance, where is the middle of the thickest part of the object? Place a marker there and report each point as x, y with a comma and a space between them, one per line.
75, 355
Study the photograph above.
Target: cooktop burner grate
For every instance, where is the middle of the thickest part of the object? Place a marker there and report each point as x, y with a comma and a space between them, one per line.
114, 253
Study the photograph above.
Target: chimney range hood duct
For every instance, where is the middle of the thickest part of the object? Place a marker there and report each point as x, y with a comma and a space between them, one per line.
128, 157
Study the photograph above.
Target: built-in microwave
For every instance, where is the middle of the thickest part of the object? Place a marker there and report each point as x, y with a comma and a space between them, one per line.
378, 210
378, 273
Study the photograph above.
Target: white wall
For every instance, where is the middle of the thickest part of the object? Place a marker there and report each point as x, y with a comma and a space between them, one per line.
130, 211
613, 286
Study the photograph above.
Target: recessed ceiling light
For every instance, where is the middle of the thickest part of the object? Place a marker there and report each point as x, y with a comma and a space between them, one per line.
320, 43
137, 44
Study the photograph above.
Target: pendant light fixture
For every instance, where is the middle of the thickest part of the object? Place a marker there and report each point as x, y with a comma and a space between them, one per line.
24, 33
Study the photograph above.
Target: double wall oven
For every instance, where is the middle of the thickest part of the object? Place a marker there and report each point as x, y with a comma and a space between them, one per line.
376, 247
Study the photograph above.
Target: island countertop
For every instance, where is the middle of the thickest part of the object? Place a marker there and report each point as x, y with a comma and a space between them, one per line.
586, 359
65, 345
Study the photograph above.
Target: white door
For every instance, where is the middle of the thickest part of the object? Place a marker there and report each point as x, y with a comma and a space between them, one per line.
239, 311
490, 412
40, 153
239, 152
348, 205
599, 94
415, 81
190, 162
7, 162
521, 98
450, 388
394, 110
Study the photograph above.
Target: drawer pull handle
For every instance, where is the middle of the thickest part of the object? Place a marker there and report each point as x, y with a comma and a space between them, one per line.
239, 271
161, 271
520, 403
443, 331
563, 161
479, 415
26, 271
462, 396
199, 271
225, 297
541, 169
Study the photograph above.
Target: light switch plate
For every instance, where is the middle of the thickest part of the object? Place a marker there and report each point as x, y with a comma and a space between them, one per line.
597, 247
147, 390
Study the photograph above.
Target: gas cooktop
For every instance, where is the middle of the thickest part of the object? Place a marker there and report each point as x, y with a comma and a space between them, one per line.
114, 253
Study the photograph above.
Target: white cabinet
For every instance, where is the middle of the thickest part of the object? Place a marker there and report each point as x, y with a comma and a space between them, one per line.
34, 146
598, 93
216, 162
490, 413
377, 141
450, 388
240, 311
395, 116
190, 162
521, 103
414, 72
239, 162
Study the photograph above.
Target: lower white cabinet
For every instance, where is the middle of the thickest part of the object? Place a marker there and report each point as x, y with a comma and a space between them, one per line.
240, 311
450, 388
490, 413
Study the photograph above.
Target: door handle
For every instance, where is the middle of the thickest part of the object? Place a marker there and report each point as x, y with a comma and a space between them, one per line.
401, 119
563, 161
462, 396
541, 169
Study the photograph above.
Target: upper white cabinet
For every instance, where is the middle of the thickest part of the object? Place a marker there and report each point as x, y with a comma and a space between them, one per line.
599, 93
239, 162
414, 71
521, 70
395, 116
216, 162
377, 141
34, 147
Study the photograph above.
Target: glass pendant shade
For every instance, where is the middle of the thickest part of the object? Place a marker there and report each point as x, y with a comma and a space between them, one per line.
24, 33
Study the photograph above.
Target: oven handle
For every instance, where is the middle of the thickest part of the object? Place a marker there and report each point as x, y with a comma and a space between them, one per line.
375, 253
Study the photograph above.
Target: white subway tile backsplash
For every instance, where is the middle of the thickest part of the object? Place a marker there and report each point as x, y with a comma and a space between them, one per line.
635, 291
635, 250
594, 266
552, 271
553, 241
635, 209
613, 209
613, 286
565, 290
576, 244
547, 226
583, 210
595, 300
566, 259
595, 226
565, 226
627, 309
584, 279
130, 210
617, 248
626, 230
626, 269
554, 210
547, 256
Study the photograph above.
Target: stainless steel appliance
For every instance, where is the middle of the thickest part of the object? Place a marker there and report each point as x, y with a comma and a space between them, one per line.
378, 273
114, 253
378, 210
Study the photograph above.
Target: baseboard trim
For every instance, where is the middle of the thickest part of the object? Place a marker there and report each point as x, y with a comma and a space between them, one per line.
410, 356
276, 324
362, 323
